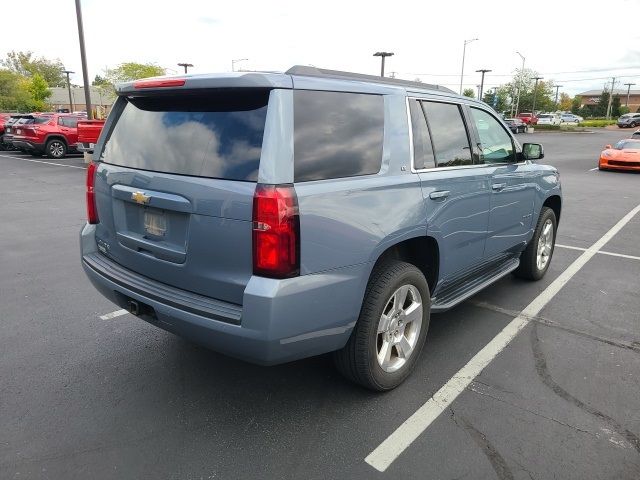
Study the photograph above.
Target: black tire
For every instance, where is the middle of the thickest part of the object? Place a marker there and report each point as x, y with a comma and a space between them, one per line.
528, 268
358, 359
56, 148
633, 125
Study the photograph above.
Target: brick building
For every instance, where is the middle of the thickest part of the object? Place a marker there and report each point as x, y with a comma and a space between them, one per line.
101, 99
591, 97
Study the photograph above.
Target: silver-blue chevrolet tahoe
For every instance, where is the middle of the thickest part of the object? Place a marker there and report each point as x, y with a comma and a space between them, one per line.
276, 216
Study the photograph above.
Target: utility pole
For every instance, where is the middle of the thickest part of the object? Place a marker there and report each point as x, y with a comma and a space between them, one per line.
69, 89
520, 84
383, 55
483, 71
186, 66
613, 84
628, 92
83, 57
535, 92
464, 51
557, 88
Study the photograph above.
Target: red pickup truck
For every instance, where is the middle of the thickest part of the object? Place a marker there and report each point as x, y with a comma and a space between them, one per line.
528, 118
88, 134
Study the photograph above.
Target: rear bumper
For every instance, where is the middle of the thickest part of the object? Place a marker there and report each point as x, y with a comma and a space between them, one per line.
279, 320
27, 145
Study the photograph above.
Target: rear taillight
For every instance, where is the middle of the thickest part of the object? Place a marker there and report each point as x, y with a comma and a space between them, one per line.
92, 211
276, 231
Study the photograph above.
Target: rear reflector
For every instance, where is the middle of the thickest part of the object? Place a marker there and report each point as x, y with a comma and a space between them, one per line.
92, 211
276, 231
159, 83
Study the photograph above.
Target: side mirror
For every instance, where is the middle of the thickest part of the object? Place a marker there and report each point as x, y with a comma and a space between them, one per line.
532, 151
606, 147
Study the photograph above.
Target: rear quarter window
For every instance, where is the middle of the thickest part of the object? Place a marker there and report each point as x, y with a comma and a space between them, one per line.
337, 134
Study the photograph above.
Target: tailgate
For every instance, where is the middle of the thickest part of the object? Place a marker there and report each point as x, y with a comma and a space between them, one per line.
89, 130
174, 189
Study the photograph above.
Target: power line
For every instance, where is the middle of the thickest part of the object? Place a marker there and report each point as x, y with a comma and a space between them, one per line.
595, 70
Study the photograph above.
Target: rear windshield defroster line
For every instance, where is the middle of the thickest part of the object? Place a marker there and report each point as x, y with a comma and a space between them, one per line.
216, 135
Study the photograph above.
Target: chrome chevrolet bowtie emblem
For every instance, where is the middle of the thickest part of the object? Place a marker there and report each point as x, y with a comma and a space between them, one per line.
140, 197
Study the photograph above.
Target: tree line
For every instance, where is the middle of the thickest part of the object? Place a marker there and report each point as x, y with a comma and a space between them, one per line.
504, 98
25, 80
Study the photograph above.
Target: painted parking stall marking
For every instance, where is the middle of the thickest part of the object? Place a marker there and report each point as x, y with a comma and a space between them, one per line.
601, 252
396, 443
117, 313
42, 161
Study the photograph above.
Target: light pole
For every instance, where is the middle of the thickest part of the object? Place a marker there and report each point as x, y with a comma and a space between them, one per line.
520, 84
628, 92
557, 88
186, 66
535, 92
464, 52
483, 71
69, 89
233, 63
83, 57
382, 55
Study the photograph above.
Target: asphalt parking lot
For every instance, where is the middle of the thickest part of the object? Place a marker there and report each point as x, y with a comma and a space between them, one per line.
87, 395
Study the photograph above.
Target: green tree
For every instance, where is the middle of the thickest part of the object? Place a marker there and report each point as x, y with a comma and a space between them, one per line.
98, 80
600, 109
126, 72
15, 93
27, 65
576, 103
523, 83
615, 106
468, 92
498, 99
38, 88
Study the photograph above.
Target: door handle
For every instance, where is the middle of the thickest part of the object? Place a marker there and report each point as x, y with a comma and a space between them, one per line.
440, 194
498, 186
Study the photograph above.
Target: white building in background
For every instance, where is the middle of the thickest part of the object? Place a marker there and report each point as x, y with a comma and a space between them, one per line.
102, 99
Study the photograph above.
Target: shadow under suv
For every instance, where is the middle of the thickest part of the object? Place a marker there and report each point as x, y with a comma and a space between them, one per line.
273, 216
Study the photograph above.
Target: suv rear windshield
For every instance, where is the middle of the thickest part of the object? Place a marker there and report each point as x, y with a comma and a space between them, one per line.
217, 135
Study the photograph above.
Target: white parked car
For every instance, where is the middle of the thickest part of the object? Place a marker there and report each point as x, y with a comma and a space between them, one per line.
549, 119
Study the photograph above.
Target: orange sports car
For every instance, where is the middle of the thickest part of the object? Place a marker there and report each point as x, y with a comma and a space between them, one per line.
624, 155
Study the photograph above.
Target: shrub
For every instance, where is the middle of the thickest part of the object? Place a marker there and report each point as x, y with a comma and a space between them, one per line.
597, 123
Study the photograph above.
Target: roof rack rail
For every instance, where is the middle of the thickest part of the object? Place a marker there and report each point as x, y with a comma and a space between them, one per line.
309, 71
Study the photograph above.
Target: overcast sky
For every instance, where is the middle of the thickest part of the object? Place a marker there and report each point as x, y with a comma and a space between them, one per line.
562, 40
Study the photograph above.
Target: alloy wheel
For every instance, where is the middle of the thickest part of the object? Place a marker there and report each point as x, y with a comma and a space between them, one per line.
399, 328
545, 245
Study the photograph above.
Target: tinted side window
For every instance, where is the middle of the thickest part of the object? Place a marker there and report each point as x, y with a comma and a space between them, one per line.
495, 142
422, 148
337, 134
69, 122
448, 133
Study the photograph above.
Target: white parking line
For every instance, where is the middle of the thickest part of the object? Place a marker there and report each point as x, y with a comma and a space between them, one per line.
592, 169
41, 161
115, 314
396, 443
601, 252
